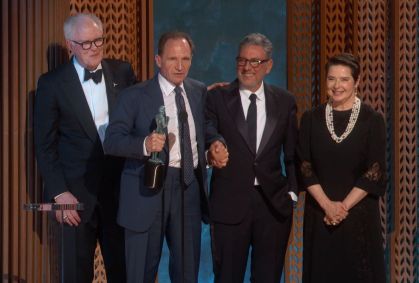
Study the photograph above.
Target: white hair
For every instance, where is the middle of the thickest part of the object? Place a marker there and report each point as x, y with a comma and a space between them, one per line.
72, 21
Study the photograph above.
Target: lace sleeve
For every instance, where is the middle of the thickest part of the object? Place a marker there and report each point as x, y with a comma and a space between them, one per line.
306, 170
374, 173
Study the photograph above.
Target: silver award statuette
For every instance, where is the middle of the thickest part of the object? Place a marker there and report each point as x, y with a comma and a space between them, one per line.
154, 167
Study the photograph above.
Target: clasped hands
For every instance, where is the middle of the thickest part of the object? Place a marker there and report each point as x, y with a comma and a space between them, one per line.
217, 155
335, 213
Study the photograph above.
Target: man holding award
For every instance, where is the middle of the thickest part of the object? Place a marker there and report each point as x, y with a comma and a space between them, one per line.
164, 195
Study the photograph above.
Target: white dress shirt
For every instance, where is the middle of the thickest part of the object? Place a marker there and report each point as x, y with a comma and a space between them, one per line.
96, 99
261, 112
260, 118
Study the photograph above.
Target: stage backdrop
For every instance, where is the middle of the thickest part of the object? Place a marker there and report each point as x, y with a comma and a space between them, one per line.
216, 28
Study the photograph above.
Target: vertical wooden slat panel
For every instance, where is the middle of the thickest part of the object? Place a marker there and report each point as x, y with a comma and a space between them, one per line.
299, 63
146, 39
416, 245
315, 52
27, 28
20, 139
370, 46
333, 35
5, 140
31, 271
299, 67
391, 164
13, 139
405, 170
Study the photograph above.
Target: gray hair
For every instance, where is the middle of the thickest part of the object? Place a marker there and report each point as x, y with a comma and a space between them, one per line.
259, 40
72, 21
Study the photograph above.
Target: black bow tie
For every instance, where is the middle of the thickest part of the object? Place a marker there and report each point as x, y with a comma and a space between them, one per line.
95, 76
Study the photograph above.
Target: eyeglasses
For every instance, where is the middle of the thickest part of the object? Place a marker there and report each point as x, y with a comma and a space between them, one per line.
86, 45
253, 62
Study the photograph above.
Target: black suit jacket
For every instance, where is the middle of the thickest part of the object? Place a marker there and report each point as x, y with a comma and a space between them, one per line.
68, 149
230, 186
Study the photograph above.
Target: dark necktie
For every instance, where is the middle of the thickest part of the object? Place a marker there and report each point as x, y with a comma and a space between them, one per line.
251, 121
185, 139
95, 76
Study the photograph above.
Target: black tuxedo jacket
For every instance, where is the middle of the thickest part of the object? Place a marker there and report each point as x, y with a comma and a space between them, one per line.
230, 186
68, 149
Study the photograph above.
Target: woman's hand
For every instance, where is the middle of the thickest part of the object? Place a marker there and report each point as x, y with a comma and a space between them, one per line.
335, 212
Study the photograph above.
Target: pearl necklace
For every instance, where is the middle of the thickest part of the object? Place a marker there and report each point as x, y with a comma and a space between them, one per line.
356, 107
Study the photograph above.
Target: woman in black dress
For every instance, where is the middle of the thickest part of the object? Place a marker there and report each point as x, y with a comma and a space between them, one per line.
342, 154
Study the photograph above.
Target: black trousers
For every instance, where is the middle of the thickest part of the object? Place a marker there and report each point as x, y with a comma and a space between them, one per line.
260, 230
80, 244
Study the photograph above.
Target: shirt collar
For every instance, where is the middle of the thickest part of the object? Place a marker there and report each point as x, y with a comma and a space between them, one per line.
167, 87
260, 92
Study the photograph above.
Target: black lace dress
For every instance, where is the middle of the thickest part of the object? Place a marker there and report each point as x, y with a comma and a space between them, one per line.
352, 251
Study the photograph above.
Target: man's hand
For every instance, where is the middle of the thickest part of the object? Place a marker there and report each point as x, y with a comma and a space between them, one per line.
217, 155
215, 85
71, 217
155, 142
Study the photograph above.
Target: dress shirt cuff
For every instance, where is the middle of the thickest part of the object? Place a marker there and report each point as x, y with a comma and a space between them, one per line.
57, 196
293, 196
144, 148
206, 160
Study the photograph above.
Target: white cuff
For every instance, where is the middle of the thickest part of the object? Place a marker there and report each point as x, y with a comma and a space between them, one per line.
57, 196
294, 197
145, 152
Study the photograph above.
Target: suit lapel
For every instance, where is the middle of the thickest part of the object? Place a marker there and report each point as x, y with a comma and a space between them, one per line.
235, 108
77, 99
272, 117
110, 87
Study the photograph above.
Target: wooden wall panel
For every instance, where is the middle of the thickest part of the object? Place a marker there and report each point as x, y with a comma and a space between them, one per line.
334, 35
301, 47
300, 16
370, 47
29, 29
403, 267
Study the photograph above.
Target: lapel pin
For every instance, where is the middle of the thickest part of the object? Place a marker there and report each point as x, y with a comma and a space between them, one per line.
115, 84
